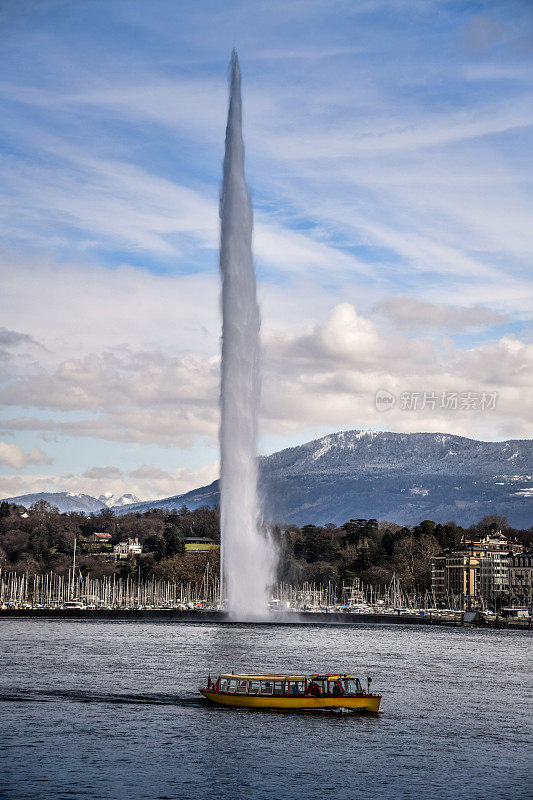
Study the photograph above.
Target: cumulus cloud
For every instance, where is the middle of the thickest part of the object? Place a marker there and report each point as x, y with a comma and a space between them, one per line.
321, 374
12, 455
330, 374
141, 397
120, 379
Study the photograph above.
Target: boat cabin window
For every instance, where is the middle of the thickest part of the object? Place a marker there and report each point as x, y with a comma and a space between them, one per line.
253, 687
316, 687
334, 688
295, 687
232, 685
223, 686
351, 685
267, 687
242, 687
278, 687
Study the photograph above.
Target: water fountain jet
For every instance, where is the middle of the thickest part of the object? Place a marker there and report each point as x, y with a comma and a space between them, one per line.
246, 554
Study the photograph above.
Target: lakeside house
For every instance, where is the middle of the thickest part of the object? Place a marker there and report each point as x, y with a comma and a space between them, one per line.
127, 549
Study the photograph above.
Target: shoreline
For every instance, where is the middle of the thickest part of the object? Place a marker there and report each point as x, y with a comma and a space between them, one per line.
293, 618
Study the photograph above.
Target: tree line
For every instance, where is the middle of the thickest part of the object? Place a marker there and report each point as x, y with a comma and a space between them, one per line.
41, 539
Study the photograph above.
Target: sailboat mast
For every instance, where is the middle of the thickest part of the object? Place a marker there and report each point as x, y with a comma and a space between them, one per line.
74, 567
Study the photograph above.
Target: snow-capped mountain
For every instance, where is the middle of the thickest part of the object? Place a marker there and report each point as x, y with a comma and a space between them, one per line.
66, 502
112, 501
401, 477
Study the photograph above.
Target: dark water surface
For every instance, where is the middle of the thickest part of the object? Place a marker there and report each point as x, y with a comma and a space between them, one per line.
94, 710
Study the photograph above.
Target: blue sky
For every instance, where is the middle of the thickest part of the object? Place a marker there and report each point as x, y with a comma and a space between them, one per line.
389, 160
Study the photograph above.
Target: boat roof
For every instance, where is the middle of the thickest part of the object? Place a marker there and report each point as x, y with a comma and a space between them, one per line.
276, 677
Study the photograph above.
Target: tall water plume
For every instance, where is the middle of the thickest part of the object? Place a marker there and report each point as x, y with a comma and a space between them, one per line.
246, 560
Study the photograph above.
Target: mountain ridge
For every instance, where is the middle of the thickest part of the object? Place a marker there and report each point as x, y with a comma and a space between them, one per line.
68, 502
401, 477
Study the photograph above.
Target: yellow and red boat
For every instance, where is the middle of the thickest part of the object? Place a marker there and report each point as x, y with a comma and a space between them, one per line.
292, 692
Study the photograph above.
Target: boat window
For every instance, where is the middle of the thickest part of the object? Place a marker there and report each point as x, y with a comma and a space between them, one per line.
334, 688
349, 685
278, 687
242, 687
295, 687
267, 687
223, 684
232, 685
253, 687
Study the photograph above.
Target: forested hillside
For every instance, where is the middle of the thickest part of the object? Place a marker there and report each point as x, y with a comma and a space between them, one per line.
42, 539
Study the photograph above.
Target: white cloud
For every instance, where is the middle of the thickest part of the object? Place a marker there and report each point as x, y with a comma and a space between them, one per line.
120, 203
385, 137
194, 104
408, 312
12, 455
101, 307
324, 374
329, 376
346, 334
405, 178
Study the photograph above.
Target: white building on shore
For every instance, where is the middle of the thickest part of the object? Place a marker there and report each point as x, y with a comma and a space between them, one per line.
127, 549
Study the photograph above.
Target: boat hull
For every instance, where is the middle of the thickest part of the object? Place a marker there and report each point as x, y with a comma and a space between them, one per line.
363, 703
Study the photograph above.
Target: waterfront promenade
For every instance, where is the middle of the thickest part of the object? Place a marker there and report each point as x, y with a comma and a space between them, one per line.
458, 619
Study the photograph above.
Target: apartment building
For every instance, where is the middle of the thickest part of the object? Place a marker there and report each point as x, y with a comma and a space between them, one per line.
476, 573
521, 579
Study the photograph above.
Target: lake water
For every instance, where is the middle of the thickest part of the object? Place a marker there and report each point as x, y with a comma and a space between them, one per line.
94, 710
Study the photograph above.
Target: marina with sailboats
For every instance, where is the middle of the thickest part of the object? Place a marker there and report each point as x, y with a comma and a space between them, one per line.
112, 597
